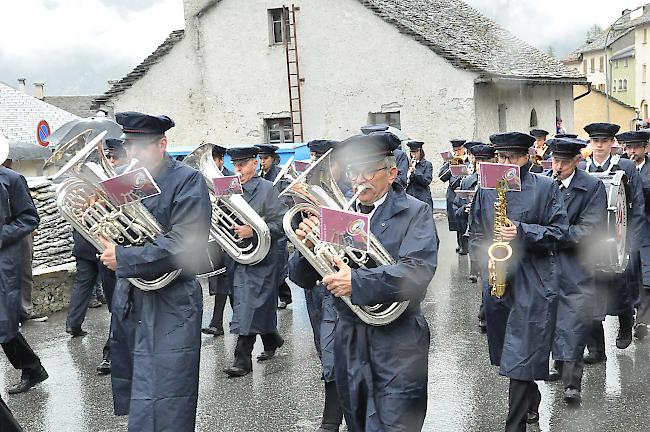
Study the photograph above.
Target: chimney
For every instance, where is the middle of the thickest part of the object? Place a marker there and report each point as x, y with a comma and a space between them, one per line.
21, 84
39, 93
626, 15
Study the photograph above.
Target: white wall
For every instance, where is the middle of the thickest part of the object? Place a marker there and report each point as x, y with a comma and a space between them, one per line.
170, 87
520, 99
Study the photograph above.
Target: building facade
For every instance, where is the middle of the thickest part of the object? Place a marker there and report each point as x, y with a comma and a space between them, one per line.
431, 68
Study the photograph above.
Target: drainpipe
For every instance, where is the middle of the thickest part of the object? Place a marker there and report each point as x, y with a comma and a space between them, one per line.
584, 94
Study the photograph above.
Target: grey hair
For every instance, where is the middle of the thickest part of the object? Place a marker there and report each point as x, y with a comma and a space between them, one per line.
390, 162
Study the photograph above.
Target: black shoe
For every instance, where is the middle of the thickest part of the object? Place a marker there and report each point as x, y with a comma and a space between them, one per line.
101, 298
624, 337
572, 396
104, 367
269, 354
553, 375
640, 331
328, 427
282, 304
33, 317
94, 303
457, 249
76, 331
473, 278
594, 358
482, 325
462, 251
235, 371
532, 417
29, 380
212, 330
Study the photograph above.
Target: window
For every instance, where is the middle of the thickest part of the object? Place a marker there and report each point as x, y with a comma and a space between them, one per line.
558, 110
620, 85
584, 66
602, 64
593, 65
645, 35
624, 85
644, 70
614, 86
278, 130
389, 118
503, 125
645, 110
278, 25
533, 118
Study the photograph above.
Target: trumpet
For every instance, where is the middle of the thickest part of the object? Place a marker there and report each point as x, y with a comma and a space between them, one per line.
288, 172
539, 154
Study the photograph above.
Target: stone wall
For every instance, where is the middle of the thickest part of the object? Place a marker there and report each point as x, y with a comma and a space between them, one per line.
53, 263
53, 238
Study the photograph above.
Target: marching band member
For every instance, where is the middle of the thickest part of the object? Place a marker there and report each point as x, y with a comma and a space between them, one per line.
616, 294
519, 324
420, 174
454, 182
541, 149
270, 171
255, 289
481, 153
586, 203
220, 286
117, 156
218, 153
7, 419
636, 143
156, 335
21, 219
381, 371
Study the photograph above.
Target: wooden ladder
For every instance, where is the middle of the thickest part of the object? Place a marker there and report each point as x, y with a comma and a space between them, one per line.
293, 72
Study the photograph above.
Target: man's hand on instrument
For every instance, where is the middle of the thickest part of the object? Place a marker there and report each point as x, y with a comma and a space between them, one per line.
244, 231
339, 283
509, 231
108, 257
307, 226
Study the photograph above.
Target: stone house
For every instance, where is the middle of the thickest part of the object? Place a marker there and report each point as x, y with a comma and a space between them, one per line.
437, 69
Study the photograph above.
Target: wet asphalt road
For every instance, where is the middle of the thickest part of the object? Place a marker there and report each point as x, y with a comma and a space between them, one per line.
285, 394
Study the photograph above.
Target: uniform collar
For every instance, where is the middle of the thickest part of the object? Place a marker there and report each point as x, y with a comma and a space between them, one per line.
640, 167
567, 181
377, 203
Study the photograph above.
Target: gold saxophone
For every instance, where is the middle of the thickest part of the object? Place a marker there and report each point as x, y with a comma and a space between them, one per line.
499, 251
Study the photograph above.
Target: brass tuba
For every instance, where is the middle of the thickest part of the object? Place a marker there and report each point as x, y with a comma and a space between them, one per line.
88, 209
229, 211
314, 189
499, 251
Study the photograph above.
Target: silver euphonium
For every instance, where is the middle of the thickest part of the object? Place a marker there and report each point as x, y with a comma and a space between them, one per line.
230, 211
83, 203
288, 172
317, 188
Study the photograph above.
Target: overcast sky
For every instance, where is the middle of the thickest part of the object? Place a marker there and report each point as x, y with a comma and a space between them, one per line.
75, 46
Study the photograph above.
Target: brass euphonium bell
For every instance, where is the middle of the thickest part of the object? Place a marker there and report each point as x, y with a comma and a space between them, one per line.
316, 188
83, 203
230, 211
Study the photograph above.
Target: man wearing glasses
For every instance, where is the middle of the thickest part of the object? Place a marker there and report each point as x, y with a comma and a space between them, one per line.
520, 324
381, 371
156, 335
255, 290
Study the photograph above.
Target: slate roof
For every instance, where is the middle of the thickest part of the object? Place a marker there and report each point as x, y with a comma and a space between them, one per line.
21, 112
140, 70
77, 105
469, 40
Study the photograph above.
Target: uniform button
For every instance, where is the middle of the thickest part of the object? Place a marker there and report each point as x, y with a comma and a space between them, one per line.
383, 225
